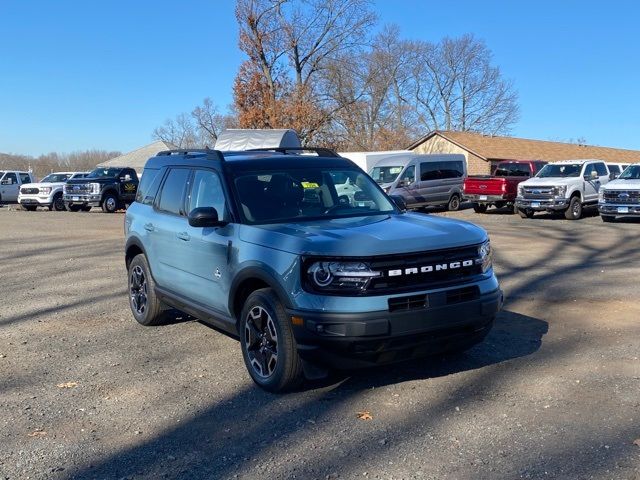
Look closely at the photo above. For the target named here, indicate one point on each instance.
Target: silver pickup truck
(10, 182)
(621, 197)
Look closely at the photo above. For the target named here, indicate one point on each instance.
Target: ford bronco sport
(261, 245)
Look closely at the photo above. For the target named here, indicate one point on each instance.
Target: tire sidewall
(267, 299)
(145, 318)
(58, 204)
(105, 205)
(569, 214)
(454, 203)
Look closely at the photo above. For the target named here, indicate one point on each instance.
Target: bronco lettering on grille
(431, 268)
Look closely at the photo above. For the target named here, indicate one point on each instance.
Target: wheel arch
(248, 281)
(133, 247)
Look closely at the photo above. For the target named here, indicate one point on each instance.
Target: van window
(171, 198)
(410, 174)
(385, 174)
(441, 170)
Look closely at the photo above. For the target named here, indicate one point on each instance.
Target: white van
(423, 179)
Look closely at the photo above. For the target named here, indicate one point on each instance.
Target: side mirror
(594, 175)
(205, 217)
(399, 201)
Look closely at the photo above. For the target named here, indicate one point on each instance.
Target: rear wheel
(479, 207)
(454, 203)
(607, 218)
(145, 305)
(574, 212)
(268, 346)
(109, 203)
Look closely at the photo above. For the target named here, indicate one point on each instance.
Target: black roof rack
(192, 151)
(322, 152)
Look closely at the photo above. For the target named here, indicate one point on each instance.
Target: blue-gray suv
(306, 260)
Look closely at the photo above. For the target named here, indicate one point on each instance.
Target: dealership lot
(85, 392)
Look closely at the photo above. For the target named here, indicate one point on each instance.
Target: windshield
(513, 170)
(632, 172)
(385, 174)
(302, 194)
(563, 170)
(56, 178)
(104, 173)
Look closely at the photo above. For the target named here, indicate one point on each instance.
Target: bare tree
(51, 162)
(458, 88)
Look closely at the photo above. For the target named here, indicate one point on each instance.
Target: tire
(87, 208)
(527, 213)
(145, 305)
(479, 207)
(500, 204)
(74, 208)
(574, 212)
(268, 346)
(454, 203)
(607, 218)
(109, 203)
(58, 203)
(30, 208)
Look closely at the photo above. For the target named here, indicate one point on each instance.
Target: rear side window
(25, 178)
(614, 169)
(148, 186)
(173, 189)
(601, 168)
(207, 192)
(441, 170)
(429, 171)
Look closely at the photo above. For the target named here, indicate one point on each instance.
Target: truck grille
(29, 191)
(77, 188)
(622, 196)
(542, 193)
(412, 277)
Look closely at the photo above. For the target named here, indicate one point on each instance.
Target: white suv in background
(565, 186)
(48, 192)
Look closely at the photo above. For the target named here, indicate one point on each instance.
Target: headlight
(486, 257)
(561, 190)
(601, 195)
(327, 276)
(520, 191)
(95, 187)
(45, 190)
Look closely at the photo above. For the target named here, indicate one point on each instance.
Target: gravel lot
(85, 392)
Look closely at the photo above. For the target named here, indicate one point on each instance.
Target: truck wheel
(268, 347)
(607, 218)
(500, 204)
(526, 213)
(58, 203)
(109, 203)
(574, 212)
(145, 305)
(454, 203)
(479, 207)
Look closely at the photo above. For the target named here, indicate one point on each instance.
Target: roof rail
(322, 152)
(191, 151)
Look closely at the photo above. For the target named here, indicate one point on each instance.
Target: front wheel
(607, 218)
(58, 203)
(268, 346)
(454, 203)
(109, 203)
(479, 207)
(526, 213)
(574, 212)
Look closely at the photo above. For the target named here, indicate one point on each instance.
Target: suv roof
(250, 159)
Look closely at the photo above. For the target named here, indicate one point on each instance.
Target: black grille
(462, 295)
(541, 193)
(407, 303)
(622, 196)
(408, 281)
(29, 191)
(77, 188)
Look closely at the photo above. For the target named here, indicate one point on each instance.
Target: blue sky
(82, 74)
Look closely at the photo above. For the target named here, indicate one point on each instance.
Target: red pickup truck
(501, 188)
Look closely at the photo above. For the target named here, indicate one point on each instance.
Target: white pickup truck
(10, 182)
(48, 192)
(565, 186)
(621, 197)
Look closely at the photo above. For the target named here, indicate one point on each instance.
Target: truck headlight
(601, 195)
(45, 190)
(560, 190)
(95, 187)
(485, 256)
(338, 276)
(520, 191)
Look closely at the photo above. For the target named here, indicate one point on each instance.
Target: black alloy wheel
(138, 290)
(261, 340)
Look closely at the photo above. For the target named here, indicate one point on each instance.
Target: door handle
(184, 236)
(149, 227)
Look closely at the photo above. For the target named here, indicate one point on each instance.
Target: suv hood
(366, 236)
(623, 185)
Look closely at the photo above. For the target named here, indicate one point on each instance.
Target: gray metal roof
(137, 158)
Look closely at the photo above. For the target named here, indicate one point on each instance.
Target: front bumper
(355, 340)
(35, 200)
(82, 199)
(615, 209)
(488, 198)
(556, 203)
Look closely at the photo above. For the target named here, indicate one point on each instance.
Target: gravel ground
(85, 392)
